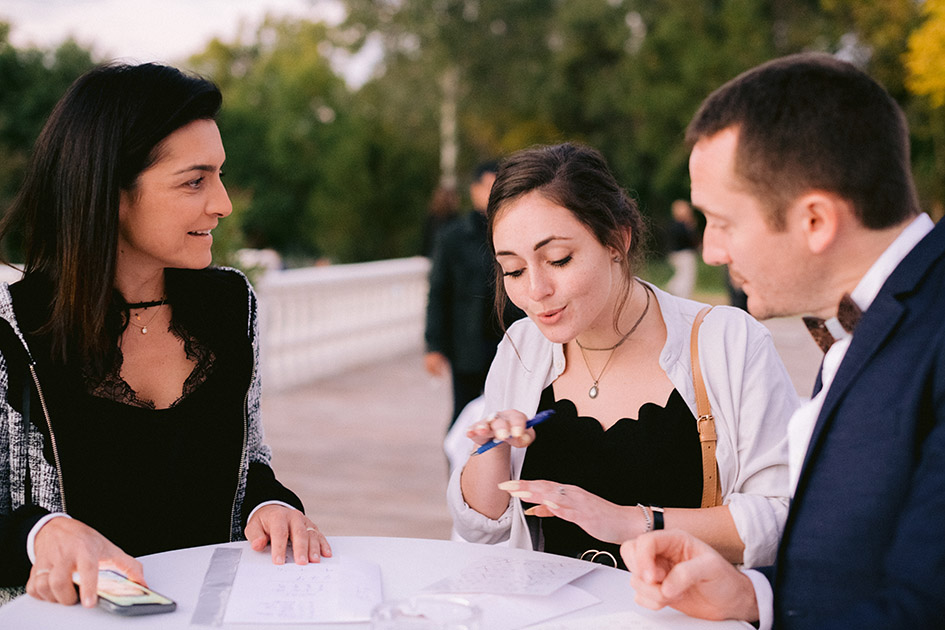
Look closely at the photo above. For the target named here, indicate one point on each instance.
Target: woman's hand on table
(64, 546)
(506, 426)
(280, 525)
(598, 517)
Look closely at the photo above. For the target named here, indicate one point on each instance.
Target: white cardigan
(752, 399)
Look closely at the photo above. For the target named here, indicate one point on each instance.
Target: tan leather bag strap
(711, 486)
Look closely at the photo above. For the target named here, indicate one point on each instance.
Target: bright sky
(150, 30)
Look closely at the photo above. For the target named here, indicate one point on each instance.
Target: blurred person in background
(683, 243)
(443, 208)
(462, 330)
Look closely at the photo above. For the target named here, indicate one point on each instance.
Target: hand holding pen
(502, 433)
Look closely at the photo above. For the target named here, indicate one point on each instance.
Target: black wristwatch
(657, 517)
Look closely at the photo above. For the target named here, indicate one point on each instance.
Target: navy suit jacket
(864, 542)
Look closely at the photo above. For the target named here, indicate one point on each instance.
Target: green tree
(926, 78)
(678, 51)
(622, 75)
(479, 57)
(881, 28)
(31, 82)
(325, 175)
(924, 59)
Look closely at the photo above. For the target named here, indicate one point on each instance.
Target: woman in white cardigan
(610, 355)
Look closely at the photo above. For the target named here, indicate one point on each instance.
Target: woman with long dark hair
(129, 385)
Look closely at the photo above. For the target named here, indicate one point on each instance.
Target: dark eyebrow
(538, 245)
(207, 168)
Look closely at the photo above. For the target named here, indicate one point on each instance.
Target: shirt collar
(874, 279)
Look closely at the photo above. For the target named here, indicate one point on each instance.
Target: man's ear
(820, 215)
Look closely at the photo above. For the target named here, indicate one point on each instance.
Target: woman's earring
(616, 259)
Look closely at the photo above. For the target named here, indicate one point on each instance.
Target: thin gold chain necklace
(137, 316)
(595, 389)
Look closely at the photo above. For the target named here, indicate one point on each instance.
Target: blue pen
(540, 417)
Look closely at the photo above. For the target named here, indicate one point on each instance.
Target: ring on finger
(311, 529)
(43, 571)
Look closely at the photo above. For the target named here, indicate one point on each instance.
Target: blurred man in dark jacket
(462, 330)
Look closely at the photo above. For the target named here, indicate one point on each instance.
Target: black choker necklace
(132, 305)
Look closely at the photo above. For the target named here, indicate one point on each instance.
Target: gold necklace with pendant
(595, 389)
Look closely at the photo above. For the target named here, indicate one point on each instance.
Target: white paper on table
(332, 590)
(513, 576)
(509, 612)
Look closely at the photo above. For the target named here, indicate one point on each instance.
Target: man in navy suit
(801, 167)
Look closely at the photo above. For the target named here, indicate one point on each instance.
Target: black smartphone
(119, 595)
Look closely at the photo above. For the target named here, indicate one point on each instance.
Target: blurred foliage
(31, 81)
(709, 280)
(328, 177)
(925, 62)
(320, 169)
(925, 59)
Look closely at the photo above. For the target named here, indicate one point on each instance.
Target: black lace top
(655, 459)
(113, 387)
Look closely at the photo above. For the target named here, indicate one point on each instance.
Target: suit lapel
(878, 323)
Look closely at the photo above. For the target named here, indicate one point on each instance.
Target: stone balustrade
(320, 321)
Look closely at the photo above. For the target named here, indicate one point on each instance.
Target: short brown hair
(810, 121)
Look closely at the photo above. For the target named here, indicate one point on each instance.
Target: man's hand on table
(673, 568)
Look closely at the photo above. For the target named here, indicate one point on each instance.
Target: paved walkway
(364, 449)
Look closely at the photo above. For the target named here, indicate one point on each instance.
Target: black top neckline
(646, 410)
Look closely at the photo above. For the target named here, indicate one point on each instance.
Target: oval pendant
(592, 392)
(144, 331)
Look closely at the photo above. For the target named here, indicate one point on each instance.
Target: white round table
(407, 566)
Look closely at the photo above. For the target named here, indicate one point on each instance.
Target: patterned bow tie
(848, 314)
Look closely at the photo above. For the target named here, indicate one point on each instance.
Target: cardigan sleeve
(523, 365)
(261, 482)
(467, 522)
(257, 450)
(262, 486)
(14, 529)
(15, 525)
